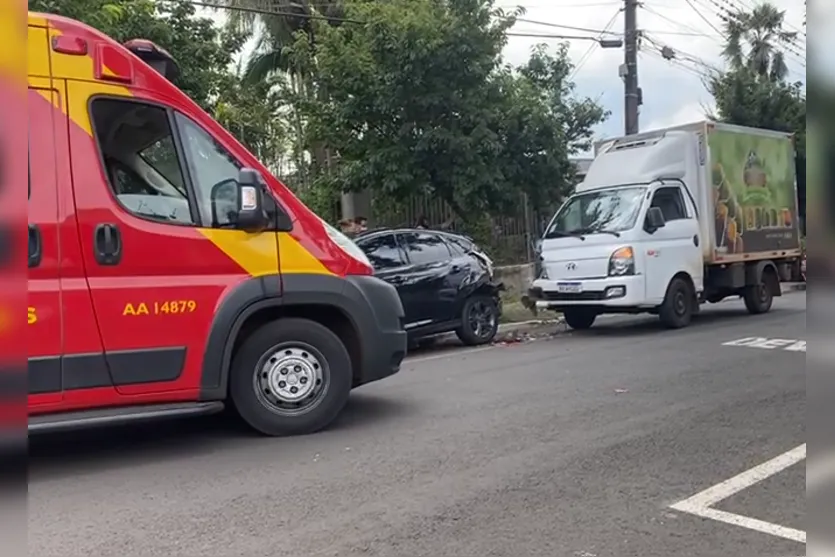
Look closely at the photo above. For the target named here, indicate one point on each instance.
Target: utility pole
(629, 71)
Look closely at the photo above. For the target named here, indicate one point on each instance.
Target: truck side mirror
(654, 220)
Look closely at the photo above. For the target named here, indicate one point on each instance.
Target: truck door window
(671, 203)
(141, 163)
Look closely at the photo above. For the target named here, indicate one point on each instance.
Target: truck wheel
(479, 321)
(580, 319)
(677, 309)
(290, 377)
(758, 298)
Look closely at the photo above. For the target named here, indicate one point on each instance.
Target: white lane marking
(790, 345)
(701, 503)
(446, 354)
(761, 526)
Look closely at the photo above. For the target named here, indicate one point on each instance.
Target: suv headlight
(622, 262)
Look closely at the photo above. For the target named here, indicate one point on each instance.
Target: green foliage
(754, 91)
(203, 51)
(752, 41)
(746, 99)
(416, 101)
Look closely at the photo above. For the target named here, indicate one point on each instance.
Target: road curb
(513, 331)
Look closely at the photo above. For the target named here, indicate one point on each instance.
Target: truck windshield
(603, 211)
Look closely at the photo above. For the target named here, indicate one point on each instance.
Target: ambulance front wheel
(291, 377)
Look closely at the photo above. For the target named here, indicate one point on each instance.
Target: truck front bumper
(611, 294)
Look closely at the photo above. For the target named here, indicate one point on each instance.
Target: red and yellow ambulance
(169, 272)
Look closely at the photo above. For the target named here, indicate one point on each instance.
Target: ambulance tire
(287, 355)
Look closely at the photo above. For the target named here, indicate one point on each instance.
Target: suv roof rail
(372, 231)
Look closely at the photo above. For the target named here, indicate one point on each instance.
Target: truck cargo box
(744, 181)
(753, 184)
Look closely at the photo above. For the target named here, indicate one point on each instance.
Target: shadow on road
(83, 452)
(643, 324)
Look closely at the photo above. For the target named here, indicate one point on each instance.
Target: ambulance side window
(142, 166)
(209, 164)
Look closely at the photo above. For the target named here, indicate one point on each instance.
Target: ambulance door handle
(108, 244)
(35, 246)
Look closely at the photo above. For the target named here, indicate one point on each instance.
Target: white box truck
(666, 220)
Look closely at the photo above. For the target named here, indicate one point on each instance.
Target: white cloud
(673, 93)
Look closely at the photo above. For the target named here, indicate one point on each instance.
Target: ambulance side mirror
(250, 196)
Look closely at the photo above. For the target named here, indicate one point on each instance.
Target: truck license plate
(569, 287)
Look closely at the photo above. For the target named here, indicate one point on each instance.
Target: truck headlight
(622, 262)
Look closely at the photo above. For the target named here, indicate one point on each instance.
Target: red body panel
(81, 304)
(45, 304)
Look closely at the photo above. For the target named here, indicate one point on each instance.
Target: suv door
(428, 289)
(389, 261)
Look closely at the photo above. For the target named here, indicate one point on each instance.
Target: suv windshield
(604, 211)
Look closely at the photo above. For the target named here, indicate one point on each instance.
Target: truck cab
(648, 231)
(169, 272)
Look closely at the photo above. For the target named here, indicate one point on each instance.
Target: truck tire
(758, 298)
(290, 377)
(580, 319)
(676, 311)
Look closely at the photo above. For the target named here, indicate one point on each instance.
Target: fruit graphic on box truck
(668, 219)
(169, 272)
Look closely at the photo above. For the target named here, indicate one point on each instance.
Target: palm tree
(277, 33)
(752, 39)
(273, 58)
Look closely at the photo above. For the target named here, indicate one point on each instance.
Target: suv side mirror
(654, 220)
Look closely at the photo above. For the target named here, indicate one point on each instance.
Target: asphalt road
(573, 446)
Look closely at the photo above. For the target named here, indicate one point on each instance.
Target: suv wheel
(479, 321)
(290, 377)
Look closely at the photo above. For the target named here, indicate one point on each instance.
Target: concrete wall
(516, 278)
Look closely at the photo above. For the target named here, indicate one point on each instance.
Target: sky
(673, 92)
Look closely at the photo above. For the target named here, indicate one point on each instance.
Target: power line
(587, 55)
(261, 11)
(571, 27)
(556, 5)
(300, 15)
(669, 53)
(706, 20)
(553, 36)
(690, 31)
(701, 74)
(730, 11)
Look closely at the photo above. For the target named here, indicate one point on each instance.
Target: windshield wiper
(561, 234)
(595, 231)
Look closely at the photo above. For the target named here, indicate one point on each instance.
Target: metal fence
(509, 238)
